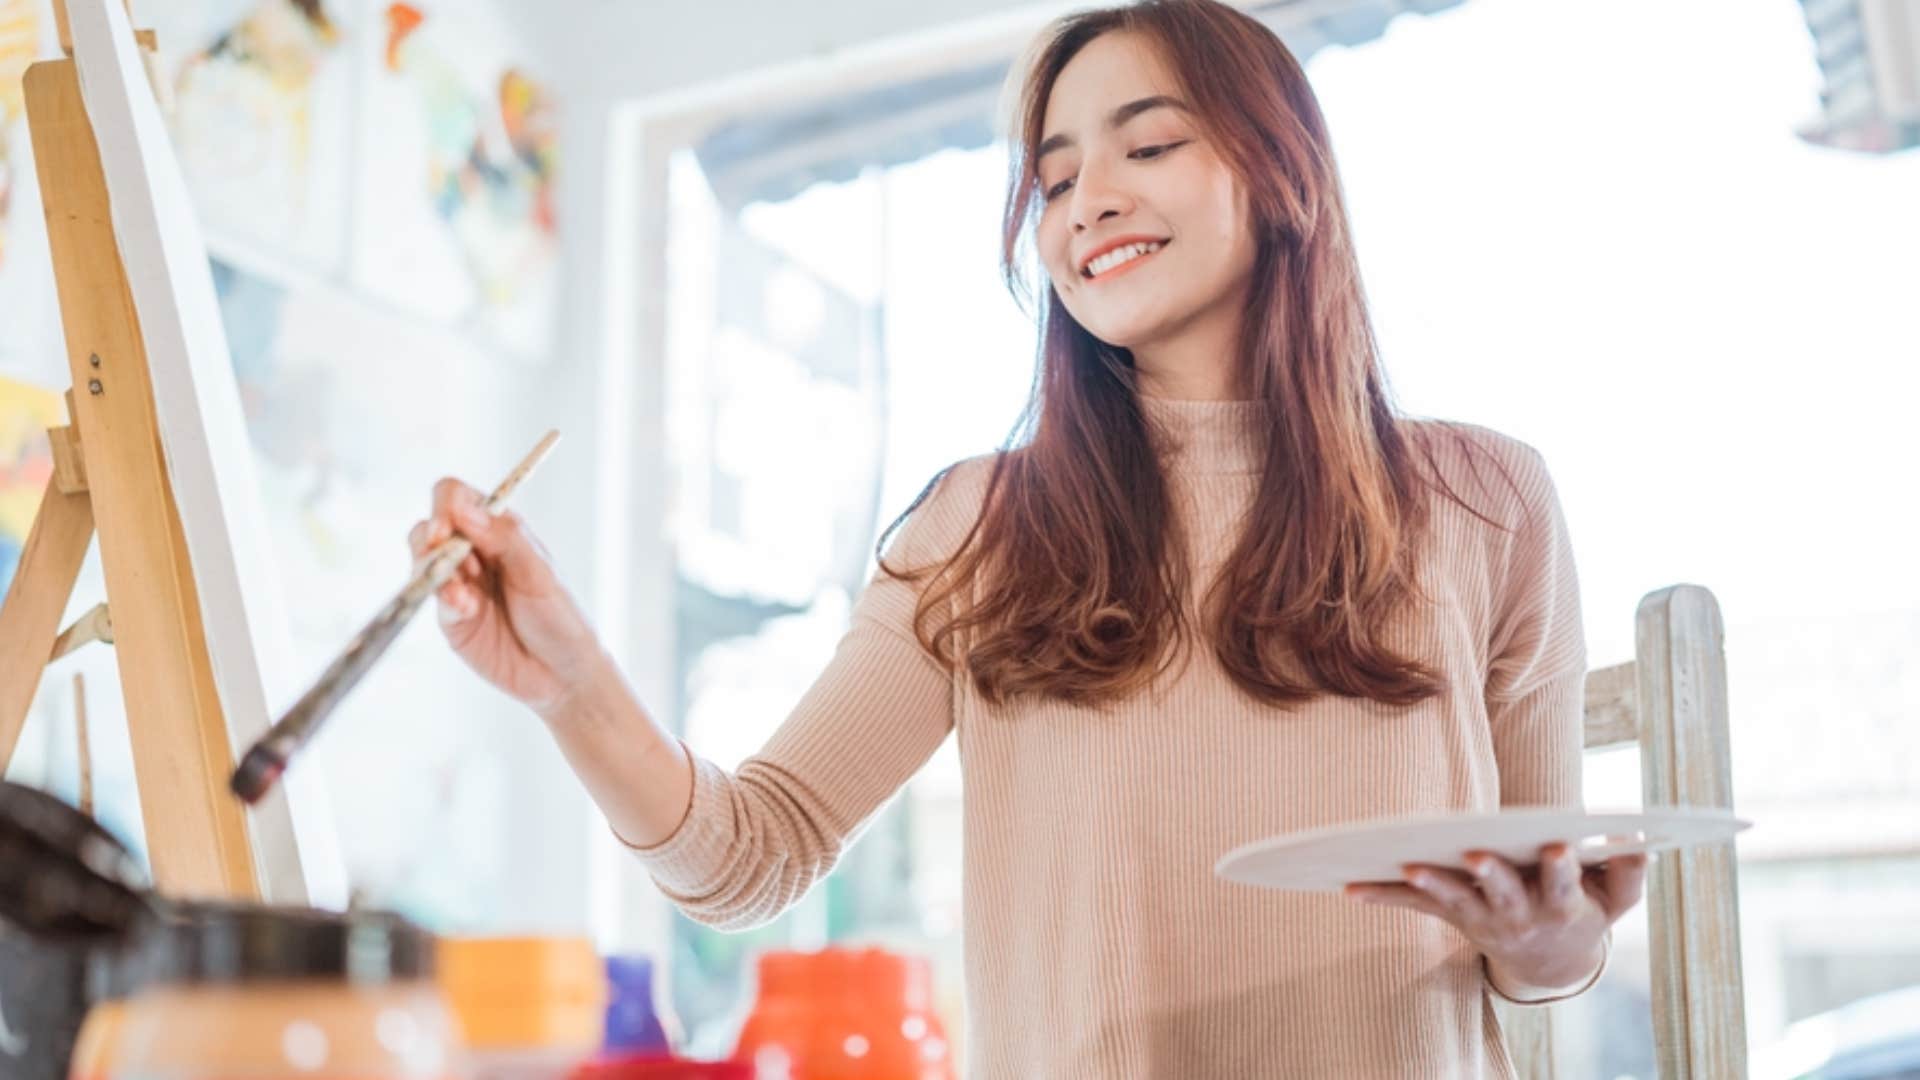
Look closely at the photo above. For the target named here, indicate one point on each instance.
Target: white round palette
(1375, 850)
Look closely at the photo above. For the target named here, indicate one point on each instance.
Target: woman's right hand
(505, 611)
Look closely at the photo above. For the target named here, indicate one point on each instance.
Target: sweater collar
(1207, 437)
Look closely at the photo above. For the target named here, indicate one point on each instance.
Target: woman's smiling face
(1122, 161)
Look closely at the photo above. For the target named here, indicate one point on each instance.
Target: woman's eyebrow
(1119, 116)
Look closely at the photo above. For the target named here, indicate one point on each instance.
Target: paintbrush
(268, 758)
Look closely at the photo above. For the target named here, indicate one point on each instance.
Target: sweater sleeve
(1536, 680)
(756, 839)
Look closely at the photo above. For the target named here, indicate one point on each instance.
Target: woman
(1217, 590)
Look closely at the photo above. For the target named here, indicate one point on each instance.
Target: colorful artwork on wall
(463, 152)
(261, 122)
(26, 464)
(19, 44)
(31, 347)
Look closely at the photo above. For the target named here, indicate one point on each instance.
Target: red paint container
(845, 1014)
(660, 1068)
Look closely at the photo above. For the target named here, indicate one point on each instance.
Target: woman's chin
(1122, 333)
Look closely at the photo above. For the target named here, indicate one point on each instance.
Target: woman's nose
(1095, 199)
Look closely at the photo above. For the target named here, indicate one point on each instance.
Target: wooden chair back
(1671, 702)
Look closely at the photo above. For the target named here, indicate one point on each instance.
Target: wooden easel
(111, 474)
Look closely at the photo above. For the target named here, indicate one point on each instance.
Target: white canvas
(204, 436)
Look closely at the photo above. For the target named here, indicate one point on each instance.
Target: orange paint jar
(256, 993)
(529, 1008)
(845, 1014)
(96, 1050)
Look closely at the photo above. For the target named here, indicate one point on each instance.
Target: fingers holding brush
(503, 609)
(458, 599)
(457, 508)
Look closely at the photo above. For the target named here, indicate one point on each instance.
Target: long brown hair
(1070, 582)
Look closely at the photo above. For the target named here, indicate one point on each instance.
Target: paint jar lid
(211, 942)
(873, 976)
(526, 992)
(64, 878)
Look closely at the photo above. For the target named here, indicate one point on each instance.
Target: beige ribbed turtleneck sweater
(1099, 943)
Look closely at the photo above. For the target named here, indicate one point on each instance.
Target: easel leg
(30, 617)
(197, 832)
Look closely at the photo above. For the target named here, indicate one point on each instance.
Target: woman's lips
(1126, 266)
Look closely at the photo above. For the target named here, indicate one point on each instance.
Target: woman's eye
(1148, 153)
(1145, 153)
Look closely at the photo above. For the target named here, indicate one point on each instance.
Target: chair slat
(1612, 704)
(1670, 702)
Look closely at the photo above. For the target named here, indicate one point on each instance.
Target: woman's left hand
(1541, 928)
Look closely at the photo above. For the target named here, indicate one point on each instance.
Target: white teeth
(1119, 255)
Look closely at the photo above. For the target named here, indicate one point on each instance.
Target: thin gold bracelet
(1606, 954)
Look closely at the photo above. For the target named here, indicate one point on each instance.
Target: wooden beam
(196, 833)
(30, 616)
(1612, 719)
(1699, 1015)
(95, 625)
(83, 743)
(60, 23)
(69, 466)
